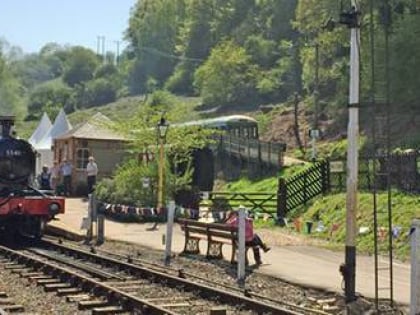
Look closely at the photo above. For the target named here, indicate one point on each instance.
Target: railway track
(8, 304)
(108, 285)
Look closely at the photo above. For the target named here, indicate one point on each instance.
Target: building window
(82, 158)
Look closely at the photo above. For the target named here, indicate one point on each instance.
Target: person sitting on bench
(251, 239)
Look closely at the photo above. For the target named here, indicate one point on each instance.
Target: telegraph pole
(348, 270)
(316, 92)
(103, 49)
(315, 131)
(117, 59)
(98, 41)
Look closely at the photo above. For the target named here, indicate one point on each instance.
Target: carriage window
(246, 134)
(82, 158)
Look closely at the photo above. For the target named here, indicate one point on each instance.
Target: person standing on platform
(44, 178)
(66, 171)
(92, 172)
(55, 176)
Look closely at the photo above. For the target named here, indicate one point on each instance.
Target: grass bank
(328, 215)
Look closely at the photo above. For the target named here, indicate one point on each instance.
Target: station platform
(291, 261)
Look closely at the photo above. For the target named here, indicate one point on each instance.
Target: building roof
(94, 128)
(41, 130)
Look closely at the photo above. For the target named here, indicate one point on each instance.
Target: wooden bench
(216, 235)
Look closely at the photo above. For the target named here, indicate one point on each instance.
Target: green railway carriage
(236, 125)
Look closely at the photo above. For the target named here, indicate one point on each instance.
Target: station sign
(314, 133)
(336, 166)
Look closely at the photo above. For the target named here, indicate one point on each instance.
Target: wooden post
(241, 246)
(281, 201)
(260, 161)
(169, 229)
(89, 232)
(415, 267)
(327, 175)
(101, 229)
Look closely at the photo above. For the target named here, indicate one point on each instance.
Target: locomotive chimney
(6, 123)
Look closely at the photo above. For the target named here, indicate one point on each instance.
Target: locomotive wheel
(10, 234)
(37, 228)
(33, 227)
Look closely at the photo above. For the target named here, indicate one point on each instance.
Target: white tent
(43, 127)
(45, 153)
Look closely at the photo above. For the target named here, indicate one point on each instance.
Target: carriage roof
(232, 120)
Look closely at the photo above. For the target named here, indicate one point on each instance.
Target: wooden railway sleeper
(12, 308)
(68, 291)
(8, 304)
(78, 297)
(108, 310)
(55, 286)
(83, 305)
(6, 301)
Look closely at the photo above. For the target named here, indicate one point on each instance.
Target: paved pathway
(307, 265)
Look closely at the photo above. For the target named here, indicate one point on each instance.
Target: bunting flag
(297, 224)
(119, 209)
(320, 227)
(396, 231)
(382, 232)
(334, 227)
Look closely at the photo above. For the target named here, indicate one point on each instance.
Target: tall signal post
(348, 269)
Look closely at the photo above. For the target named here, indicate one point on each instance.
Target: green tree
(10, 89)
(152, 34)
(99, 92)
(49, 97)
(80, 66)
(311, 15)
(227, 77)
(32, 70)
(180, 143)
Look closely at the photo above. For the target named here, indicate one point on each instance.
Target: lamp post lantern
(162, 129)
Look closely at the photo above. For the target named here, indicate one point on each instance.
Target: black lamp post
(162, 129)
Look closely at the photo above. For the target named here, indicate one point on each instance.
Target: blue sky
(30, 24)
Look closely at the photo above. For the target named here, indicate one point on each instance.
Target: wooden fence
(324, 176)
(302, 187)
(253, 201)
(290, 194)
(403, 170)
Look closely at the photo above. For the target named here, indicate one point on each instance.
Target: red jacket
(249, 226)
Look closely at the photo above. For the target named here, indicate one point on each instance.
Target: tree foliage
(49, 97)
(152, 33)
(80, 66)
(10, 88)
(227, 77)
(179, 144)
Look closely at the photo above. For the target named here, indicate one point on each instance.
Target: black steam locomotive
(23, 208)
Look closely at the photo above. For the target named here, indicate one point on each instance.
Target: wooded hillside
(233, 54)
